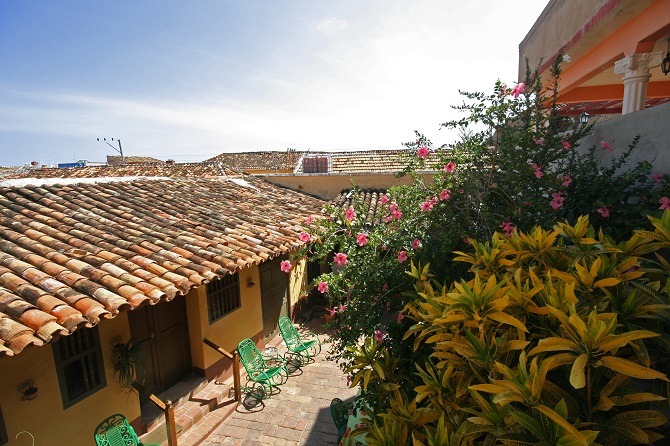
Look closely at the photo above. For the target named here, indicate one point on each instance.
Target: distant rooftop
(113, 160)
(190, 170)
(262, 160)
(368, 161)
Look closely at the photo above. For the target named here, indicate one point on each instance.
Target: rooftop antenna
(120, 150)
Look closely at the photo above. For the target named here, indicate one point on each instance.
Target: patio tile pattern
(72, 254)
(298, 415)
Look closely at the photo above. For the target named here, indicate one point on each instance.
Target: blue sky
(188, 80)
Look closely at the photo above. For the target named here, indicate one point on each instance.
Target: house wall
(245, 322)
(327, 186)
(651, 124)
(44, 416)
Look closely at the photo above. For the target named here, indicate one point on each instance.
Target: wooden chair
(116, 431)
(258, 371)
(306, 349)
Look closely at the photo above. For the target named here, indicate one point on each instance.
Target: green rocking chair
(258, 371)
(339, 410)
(116, 431)
(305, 349)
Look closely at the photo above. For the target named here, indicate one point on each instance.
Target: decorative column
(635, 71)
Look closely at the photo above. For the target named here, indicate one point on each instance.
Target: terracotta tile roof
(73, 254)
(374, 211)
(146, 170)
(369, 161)
(265, 160)
(114, 160)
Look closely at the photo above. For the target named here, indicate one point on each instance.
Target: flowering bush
(517, 166)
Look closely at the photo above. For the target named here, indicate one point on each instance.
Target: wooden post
(170, 424)
(236, 376)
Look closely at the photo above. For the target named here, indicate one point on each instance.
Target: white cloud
(331, 26)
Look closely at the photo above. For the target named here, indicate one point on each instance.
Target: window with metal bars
(79, 365)
(223, 296)
(313, 271)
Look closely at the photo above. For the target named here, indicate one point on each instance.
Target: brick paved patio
(298, 415)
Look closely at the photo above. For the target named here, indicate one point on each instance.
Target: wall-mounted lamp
(665, 64)
(250, 282)
(584, 117)
(28, 390)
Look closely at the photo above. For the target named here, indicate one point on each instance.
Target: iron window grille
(223, 296)
(79, 365)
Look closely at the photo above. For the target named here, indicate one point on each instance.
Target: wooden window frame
(223, 297)
(4, 439)
(95, 360)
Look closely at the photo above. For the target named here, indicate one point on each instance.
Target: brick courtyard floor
(298, 415)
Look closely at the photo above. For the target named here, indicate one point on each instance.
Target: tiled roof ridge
(72, 254)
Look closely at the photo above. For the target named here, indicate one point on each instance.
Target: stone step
(193, 399)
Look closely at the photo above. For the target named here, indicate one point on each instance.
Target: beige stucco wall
(327, 186)
(44, 416)
(297, 281)
(245, 322)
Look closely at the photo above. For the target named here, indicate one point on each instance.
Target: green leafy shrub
(556, 337)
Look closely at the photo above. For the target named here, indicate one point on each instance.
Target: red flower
(604, 211)
(384, 199)
(665, 203)
(605, 145)
(322, 287)
(566, 145)
(518, 89)
(422, 152)
(285, 266)
(402, 256)
(304, 237)
(450, 167)
(362, 239)
(350, 213)
(340, 258)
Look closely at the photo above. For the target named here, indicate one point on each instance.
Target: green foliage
(530, 350)
(128, 361)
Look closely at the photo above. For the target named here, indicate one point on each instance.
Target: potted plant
(128, 362)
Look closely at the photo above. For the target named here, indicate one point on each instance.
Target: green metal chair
(306, 349)
(258, 371)
(339, 410)
(116, 431)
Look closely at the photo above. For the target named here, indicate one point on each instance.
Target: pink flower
(379, 336)
(342, 308)
(503, 89)
(400, 317)
(538, 141)
(350, 213)
(605, 145)
(422, 152)
(567, 180)
(604, 211)
(362, 239)
(518, 89)
(427, 205)
(322, 287)
(445, 194)
(304, 237)
(340, 258)
(309, 219)
(508, 227)
(537, 171)
(657, 177)
(665, 203)
(285, 266)
(331, 311)
(566, 145)
(402, 256)
(450, 167)
(416, 243)
(557, 200)
(384, 199)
